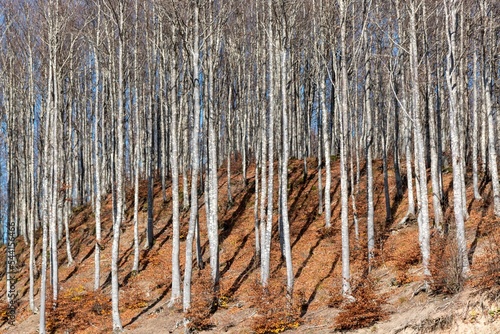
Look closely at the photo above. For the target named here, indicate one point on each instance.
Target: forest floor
(391, 303)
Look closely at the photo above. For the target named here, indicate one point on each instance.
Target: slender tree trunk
(369, 157)
(115, 250)
(54, 165)
(423, 214)
(137, 145)
(97, 163)
(213, 184)
(475, 128)
(326, 149)
(437, 192)
(344, 111)
(194, 163)
(451, 78)
(174, 156)
(32, 171)
(489, 110)
(284, 174)
(270, 181)
(263, 195)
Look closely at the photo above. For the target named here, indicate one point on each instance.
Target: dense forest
(99, 96)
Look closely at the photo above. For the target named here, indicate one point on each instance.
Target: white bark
(489, 110)
(437, 191)
(475, 128)
(284, 175)
(174, 156)
(115, 250)
(369, 156)
(97, 119)
(326, 149)
(423, 205)
(344, 110)
(194, 162)
(137, 146)
(213, 184)
(266, 249)
(32, 185)
(451, 78)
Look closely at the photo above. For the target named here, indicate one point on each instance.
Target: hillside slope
(395, 278)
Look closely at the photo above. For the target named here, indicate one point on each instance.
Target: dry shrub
(203, 302)
(275, 311)
(486, 266)
(404, 252)
(365, 310)
(78, 309)
(445, 266)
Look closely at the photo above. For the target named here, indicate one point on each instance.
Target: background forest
(109, 106)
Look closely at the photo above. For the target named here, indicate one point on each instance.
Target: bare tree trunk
(369, 156)
(320, 168)
(490, 114)
(54, 163)
(137, 146)
(228, 147)
(45, 187)
(326, 149)
(194, 162)
(284, 174)
(213, 184)
(115, 251)
(344, 111)
(32, 172)
(263, 195)
(174, 156)
(451, 79)
(437, 191)
(423, 214)
(270, 134)
(97, 119)
(475, 128)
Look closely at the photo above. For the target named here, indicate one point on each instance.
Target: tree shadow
(306, 305)
(147, 309)
(228, 224)
(309, 256)
(121, 262)
(305, 227)
(398, 200)
(71, 274)
(157, 235)
(473, 246)
(294, 207)
(242, 277)
(238, 250)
